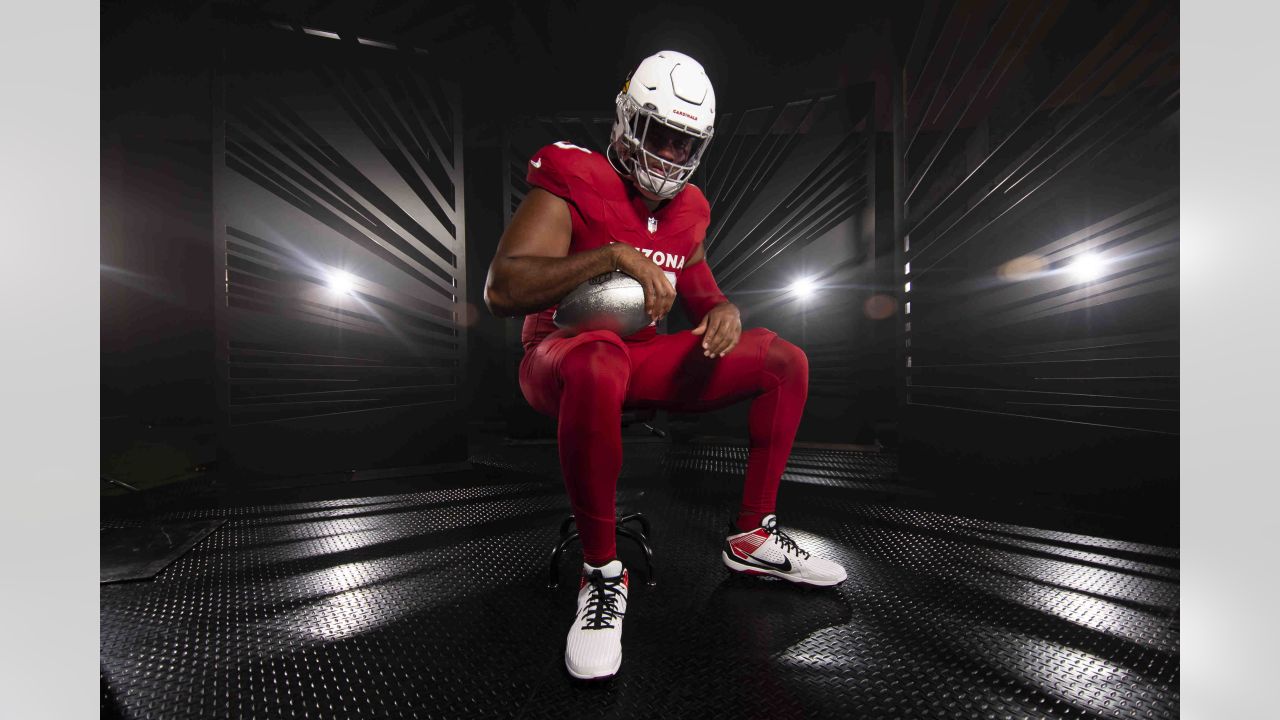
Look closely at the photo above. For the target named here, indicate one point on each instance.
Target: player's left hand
(720, 327)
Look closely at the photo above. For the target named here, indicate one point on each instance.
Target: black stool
(641, 538)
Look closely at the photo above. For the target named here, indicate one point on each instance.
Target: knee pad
(785, 361)
(598, 363)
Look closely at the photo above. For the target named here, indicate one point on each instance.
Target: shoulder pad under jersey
(561, 168)
(694, 211)
(697, 201)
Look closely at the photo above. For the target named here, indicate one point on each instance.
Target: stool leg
(566, 537)
(639, 517)
(553, 574)
(564, 526)
(648, 554)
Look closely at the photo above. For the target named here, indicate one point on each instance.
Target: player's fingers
(732, 344)
(668, 293)
(714, 339)
(729, 337)
(726, 342)
(653, 296)
(708, 321)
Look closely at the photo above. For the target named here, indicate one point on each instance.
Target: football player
(632, 208)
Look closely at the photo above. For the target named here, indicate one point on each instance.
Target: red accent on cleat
(747, 544)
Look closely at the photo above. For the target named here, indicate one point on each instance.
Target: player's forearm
(699, 291)
(522, 285)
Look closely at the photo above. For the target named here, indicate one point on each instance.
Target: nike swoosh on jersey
(536, 162)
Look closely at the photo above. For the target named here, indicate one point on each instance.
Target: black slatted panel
(339, 216)
(1040, 275)
(811, 161)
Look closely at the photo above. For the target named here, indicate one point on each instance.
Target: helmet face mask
(647, 134)
(653, 142)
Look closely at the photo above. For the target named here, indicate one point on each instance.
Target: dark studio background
(989, 145)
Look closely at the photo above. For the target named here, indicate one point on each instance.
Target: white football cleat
(769, 551)
(593, 650)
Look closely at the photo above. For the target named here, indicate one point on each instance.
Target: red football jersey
(605, 207)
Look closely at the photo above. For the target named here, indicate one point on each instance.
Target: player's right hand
(659, 295)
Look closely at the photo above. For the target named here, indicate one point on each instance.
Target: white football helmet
(667, 103)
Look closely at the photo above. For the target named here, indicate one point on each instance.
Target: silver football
(611, 301)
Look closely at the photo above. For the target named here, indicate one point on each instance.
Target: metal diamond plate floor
(430, 602)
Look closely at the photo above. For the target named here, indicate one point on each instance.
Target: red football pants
(586, 380)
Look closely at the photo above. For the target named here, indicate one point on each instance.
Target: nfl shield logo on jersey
(653, 225)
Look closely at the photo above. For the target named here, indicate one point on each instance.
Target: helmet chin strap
(646, 193)
(620, 166)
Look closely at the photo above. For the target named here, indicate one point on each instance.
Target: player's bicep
(541, 227)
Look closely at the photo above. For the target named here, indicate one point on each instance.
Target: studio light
(341, 282)
(1087, 267)
(803, 287)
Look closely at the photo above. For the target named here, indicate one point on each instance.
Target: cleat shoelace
(785, 540)
(602, 601)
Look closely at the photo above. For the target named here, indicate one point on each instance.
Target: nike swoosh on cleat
(536, 162)
(784, 566)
